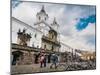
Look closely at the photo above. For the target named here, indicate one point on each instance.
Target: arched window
(52, 36)
(52, 48)
(39, 18)
(45, 18)
(44, 46)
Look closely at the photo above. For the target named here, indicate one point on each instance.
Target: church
(46, 38)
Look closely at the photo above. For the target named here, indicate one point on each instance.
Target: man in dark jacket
(54, 60)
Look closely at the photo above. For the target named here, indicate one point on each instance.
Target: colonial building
(45, 37)
(50, 41)
(50, 37)
(86, 55)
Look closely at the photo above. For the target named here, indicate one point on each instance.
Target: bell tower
(41, 20)
(55, 25)
(41, 16)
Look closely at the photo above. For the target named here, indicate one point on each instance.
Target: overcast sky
(77, 22)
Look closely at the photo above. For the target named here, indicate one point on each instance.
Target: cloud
(15, 3)
(67, 16)
(81, 40)
(84, 22)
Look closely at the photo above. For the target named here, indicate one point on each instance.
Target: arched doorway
(16, 55)
(36, 57)
(49, 58)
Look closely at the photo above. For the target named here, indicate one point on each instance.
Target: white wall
(15, 27)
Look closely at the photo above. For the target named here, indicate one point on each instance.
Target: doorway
(16, 55)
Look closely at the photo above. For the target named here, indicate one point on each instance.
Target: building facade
(45, 37)
(50, 41)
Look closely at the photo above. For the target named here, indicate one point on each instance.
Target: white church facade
(29, 40)
(40, 30)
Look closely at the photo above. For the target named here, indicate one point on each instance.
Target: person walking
(54, 60)
(41, 60)
(44, 62)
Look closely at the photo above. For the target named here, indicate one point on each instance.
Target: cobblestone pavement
(21, 69)
(35, 68)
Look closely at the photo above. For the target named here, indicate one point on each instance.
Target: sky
(77, 22)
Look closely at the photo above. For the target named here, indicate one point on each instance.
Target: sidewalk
(34, 68)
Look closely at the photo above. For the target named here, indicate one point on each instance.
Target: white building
(38, 30)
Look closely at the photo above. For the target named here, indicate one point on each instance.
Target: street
(22, 69)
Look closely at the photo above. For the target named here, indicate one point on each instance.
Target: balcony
(50, 40)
